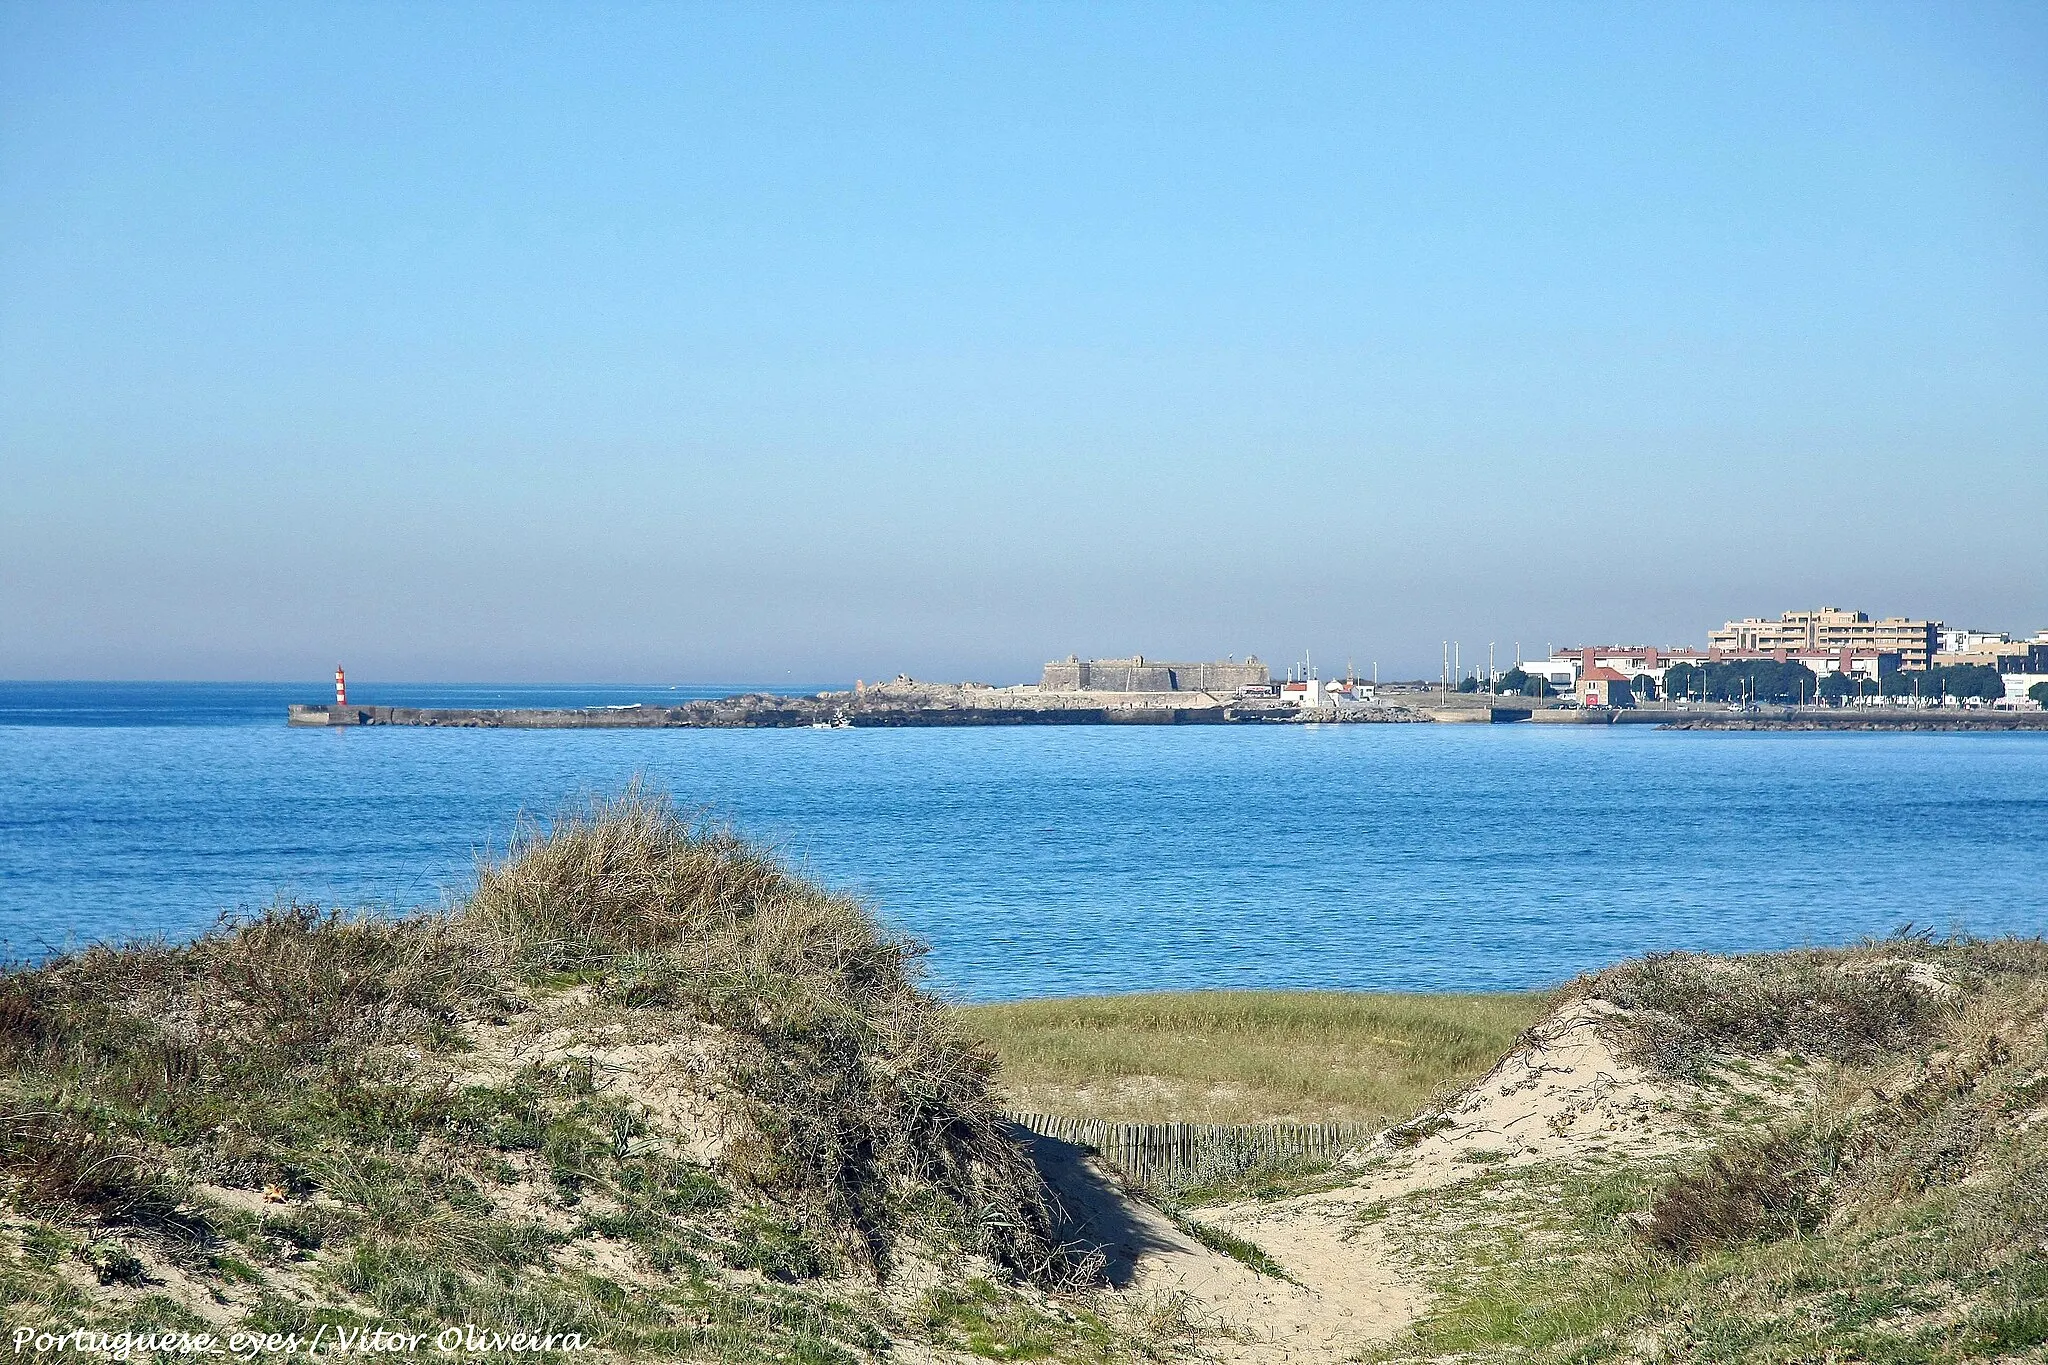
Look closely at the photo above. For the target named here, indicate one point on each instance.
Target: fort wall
(1139, 674)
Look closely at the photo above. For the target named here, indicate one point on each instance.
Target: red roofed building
(1602, 686)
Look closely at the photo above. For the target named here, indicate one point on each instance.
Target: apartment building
(1636, 661)
(1831, 630)
(1961, 640)
(2007, 656)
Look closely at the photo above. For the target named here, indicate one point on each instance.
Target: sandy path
(1347, 1292)
(1560, 1095)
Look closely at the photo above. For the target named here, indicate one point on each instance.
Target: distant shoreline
(923, 705)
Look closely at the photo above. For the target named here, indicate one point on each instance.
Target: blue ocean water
(1057, 860)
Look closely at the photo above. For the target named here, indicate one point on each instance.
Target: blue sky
(685, 342)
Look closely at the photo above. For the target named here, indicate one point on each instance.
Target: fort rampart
(1139, 674)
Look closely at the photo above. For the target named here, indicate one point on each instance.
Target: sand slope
(1560, 1095)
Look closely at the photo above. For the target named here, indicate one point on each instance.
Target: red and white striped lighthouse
(340, 687)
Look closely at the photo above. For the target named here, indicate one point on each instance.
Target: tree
(1645, 687)
(1519, 682)
(2039, 694)
(1979, 681)
(1742, 680)
(1837, 688)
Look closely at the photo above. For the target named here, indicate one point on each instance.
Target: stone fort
(1140, 674)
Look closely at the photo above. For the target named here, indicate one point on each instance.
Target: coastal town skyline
(1892, 642)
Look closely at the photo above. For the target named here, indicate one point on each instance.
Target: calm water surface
(1041, 861)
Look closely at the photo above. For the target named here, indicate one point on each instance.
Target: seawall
(1902, 718)
(925, 705)
(756, 713)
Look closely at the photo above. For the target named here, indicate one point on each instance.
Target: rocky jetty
(904, 702)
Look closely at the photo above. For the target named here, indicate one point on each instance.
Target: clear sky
(692, 342)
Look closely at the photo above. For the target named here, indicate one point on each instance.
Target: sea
(1047, 861)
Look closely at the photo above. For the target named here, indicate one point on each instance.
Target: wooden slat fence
(1184, 1153)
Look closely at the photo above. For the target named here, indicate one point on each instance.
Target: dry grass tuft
(631, 874)
(1844, 1006)
(867, 1110)
(58, 1160)
(1751, 1191)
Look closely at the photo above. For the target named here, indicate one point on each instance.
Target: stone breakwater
(902, 704)
(909, 704)
(1873, 718)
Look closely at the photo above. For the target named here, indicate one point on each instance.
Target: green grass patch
(1247, 1056)
(1240, 1249)
(1262, 1184)
(988, 1321)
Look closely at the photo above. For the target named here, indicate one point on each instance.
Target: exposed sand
(1559, 1095)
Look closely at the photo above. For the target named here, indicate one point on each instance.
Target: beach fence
(1179, 1154)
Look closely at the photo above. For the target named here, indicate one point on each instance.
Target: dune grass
(1895, 1214)
(297, 1120)
(1247, 1056)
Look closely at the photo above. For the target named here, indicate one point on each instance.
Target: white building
(2017, 685)
(1315, 694)
(1957, 640)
